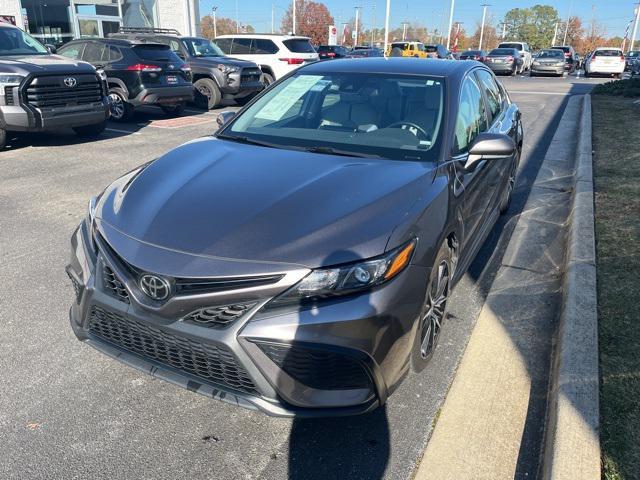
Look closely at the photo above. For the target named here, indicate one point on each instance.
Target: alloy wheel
(435, 310)
(204, 91)
(117, 106)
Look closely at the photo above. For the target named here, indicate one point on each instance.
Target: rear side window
(262, 46)
(299, 45)
(72, 51)
(471, 119)
(492, 92)
(224, 44)
(154, 52)
(93, 52)
(241, 46)
(112, 54)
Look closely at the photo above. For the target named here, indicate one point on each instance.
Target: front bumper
(25, 118)
(548, 70)
(342, 357)
(241, 84)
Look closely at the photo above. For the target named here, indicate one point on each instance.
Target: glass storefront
(51, 21)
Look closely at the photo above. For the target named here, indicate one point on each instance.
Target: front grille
(317, 368)
(50, 91)
(250, 76)
(218, 316)
(77, 288)
(8, 96)
(113, 285)
(215, 364)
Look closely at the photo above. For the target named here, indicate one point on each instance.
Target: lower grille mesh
(318, 368)
(211, 363)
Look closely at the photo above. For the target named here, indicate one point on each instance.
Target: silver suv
(40, 91)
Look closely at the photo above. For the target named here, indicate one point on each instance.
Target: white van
(525, 52)
(276, 55)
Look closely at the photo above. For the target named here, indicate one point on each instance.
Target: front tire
(434, 310)
(90, 131)
(505, 201)
(267, 79)
(208, 94)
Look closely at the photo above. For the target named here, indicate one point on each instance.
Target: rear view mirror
(489, 146)
(224, 118)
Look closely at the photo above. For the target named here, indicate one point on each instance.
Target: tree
(490, 38)
(312, 20)
(533, 25)
(224, 26)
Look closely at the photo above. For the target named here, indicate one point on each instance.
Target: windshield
(348, 114)
(14, 41)
(633, 54)
(551, 54)
(201, 47)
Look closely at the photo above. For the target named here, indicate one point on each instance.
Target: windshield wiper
(249, 141)
(343, 153)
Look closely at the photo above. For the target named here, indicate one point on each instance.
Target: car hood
(222, 200)
(26, 64)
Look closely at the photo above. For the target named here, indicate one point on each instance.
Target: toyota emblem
(70, 82)
(155, 287)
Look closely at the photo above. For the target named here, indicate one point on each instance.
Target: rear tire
(434, 309)
(173, 110)
(207, 93)
(90, 130)
(505, 201)
(121, 109)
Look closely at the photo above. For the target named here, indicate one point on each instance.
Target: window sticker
(276, 108)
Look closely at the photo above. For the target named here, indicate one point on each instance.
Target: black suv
(215, 76)
(40, 91)
(138, 73)
(331, 52)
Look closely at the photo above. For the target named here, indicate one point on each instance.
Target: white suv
(276, 55)
(605, 60)
(525, 52)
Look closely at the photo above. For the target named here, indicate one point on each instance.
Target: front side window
(349, 113)
(200, 47)
(14, 41)
(224, 44)
(93, 52)
(492, 92)
(72, 51)
(471, 120)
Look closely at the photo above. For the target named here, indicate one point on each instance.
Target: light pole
(273, 8)
(555, 34)
(404, 30)
(504, 29)
(484, 16)
(635, 26)
(215, 28)
(237, 19)
(453, 2)
(293, 27)
(355, 40)
(386, 27)
(566, 28)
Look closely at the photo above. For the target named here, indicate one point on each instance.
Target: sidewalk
(494, 413)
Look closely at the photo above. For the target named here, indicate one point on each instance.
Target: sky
(613, 15)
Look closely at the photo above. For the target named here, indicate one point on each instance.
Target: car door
(503, 119)
(472, 186)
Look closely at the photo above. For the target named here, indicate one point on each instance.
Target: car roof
(281, 36)
(121, 42)
(394, 65)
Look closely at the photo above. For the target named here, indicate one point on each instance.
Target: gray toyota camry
(300, 260)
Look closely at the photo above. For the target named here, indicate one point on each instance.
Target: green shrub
(626, 88)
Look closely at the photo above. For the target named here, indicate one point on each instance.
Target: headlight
(10, 80)
(341, 280)
(91, 215)
(227, 68)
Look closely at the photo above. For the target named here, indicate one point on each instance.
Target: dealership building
(58, 21)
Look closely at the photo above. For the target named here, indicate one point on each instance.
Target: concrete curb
(572, 444)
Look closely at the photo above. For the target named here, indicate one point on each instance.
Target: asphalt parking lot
(67, 411)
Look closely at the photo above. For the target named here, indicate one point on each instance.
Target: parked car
(605, 61)
(276, 55)
(551, 61)
(631, 58)
(40, 91)
(523, 49)
(216, 77)
(365, 53)
(332, 52)
(437, 51)
(138, 73)
(505, 60)
(570, 56)
(407, 49)
(301, 261)
(478, 55)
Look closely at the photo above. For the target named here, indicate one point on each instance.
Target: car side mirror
(52, 48)
(489, 146)
(224, 118)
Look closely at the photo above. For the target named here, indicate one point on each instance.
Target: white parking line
(122, 131)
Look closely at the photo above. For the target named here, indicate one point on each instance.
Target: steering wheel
(403, 124)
